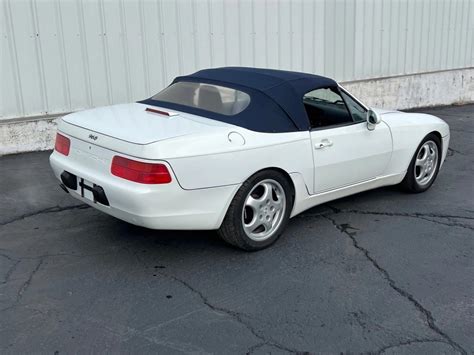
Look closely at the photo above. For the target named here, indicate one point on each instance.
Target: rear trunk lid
(136, 123)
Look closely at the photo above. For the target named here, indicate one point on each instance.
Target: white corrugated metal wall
(64, 55)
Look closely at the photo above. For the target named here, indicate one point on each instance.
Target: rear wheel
(259, 211)
(424, 165)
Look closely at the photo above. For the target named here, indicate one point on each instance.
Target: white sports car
(241, 150)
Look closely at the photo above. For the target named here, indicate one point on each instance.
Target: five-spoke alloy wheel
(259, 211)
(426, 162)
(263, 210)
(424, 166)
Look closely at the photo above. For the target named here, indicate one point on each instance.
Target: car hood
(133, 123)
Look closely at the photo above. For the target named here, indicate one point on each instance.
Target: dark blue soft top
(276, 96)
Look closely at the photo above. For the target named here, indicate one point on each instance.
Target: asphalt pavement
(379, 272)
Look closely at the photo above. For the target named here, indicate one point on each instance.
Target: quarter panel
(222, 155)
(236, 166)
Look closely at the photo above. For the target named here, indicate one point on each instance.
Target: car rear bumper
(165, 206)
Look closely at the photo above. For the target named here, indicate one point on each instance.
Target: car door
(345, 152)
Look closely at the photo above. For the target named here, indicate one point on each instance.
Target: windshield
(209, 97)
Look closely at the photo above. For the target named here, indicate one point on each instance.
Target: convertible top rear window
(261, 100)
(209, 97)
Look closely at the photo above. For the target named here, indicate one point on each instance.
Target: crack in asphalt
(10, 270)
(424, 216)
(257, 346)
(41, 258)
(430, 321)
(45, 210)
(254, 348)
(408, 342)
(239, 317)
(236, 316)
(452, 151)
(24, 287)
(406, 214)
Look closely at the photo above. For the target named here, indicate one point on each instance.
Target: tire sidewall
(412, 183)
(251, 244)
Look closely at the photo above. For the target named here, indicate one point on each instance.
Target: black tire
(409, 183)
(232, 230)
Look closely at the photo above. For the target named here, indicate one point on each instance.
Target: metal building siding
(64, 55)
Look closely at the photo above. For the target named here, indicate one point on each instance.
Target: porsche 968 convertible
(241, 150)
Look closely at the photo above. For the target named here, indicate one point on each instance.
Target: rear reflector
(62, 144)
(144, 173)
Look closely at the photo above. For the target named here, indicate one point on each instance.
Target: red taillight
(144, 173)
(62, 144)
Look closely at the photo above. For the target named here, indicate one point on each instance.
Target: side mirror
(373, 119)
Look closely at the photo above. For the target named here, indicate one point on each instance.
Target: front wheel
(259, 211)
(424, 166)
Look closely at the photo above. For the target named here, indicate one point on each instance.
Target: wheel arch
(410, 182)
(290, 182)
(283, 172)
(405, 149)
(440, 137)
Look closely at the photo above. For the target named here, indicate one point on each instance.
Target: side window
(358, 112)
(325, 107)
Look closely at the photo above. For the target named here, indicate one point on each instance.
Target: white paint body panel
(408, 129)
(209, 161)
(132, 123)
(355, 155)
(165, 206)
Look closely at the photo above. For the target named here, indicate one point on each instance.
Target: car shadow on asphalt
(145, 239)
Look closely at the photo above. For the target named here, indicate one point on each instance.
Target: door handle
(324, 143)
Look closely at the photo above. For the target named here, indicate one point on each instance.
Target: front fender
(408, 130)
